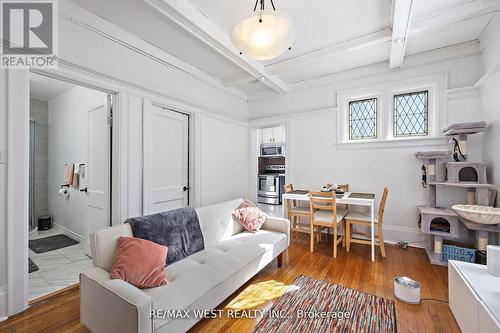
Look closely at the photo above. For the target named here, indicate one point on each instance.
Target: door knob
(84, 190)
(185, 188)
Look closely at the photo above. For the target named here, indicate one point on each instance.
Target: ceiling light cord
(263, 5)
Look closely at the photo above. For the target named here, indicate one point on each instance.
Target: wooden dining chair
(363, 219)
(295, 210)
(325, 214)
(345, 188)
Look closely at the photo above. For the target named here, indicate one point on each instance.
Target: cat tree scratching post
(435, 221)
(471, 176)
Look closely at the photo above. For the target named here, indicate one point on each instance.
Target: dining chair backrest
(381, 208)
(290, 203)
(344, 187)
(323, 201)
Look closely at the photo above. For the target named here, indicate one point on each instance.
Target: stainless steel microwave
(272, 149)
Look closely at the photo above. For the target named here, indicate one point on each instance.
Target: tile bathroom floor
(57, 269)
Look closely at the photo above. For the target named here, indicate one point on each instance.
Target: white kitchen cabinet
(473, 297)
(273, 134)
(279, 134)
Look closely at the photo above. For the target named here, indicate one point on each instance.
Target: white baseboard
(3, 303)
(414, 236)
(70, 233)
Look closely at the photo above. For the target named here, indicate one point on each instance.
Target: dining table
(346, 198)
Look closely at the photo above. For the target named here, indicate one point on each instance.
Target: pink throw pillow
(139, 262)
(250, 217)
(246, 203)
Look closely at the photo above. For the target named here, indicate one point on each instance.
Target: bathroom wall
(68, 144)
(39, 112)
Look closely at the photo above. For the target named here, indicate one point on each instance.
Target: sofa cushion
(217, 222)
(179, 229)
(193, 277)
(251, 218)
(139, 262)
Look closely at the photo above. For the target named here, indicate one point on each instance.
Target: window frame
(349, 118)
(435, 84)
(427, 116)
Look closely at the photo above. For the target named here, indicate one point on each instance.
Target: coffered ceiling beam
(401, 18)
(354, 44)
(236, 80)
(464, 12)
(193, 21)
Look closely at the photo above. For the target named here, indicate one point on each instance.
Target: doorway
(70, 179)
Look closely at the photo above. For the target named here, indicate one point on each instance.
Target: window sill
(390, 143)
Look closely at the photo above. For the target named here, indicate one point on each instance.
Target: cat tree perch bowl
(478, 214)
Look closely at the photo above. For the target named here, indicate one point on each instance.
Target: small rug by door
(32, 267)
(311, 305)
(51, 243)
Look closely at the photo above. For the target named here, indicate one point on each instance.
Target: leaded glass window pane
(363, 119)
(411, 114)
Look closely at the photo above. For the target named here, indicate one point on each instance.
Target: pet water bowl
(407, 290)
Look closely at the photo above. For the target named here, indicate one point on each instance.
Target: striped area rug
(311, 305)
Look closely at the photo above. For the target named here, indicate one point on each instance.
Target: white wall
(223, 161)
(315, 158)
(68, 137)
(490, 89)
(39, 112)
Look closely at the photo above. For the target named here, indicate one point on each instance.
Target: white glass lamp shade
(263, 35)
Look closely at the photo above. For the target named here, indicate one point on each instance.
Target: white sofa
(201, 281)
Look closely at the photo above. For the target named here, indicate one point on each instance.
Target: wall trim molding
(77, 15)
(17, 189)
(85, 76)
(396, 143)
(414, 236)
(484, 81)
(376, 72)
(280, 119)
(3, 303)
(463, 93)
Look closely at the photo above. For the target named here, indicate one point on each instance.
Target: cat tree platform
(438, 221)
(466, 128)
(429, 158)
(457, 172)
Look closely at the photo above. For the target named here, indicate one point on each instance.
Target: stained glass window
(363, 119)
(411, 114)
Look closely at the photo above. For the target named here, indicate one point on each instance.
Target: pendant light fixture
(263, 34)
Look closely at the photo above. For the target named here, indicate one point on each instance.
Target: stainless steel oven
(272, 149)
(270, 188)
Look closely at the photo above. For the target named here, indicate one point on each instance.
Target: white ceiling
(139, 18)
(319, 23)
(332, 35)
(45, 89)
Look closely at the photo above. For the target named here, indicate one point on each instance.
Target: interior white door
(166, 160)
(97, 171)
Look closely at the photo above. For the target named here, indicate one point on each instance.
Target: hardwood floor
(353, 270)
